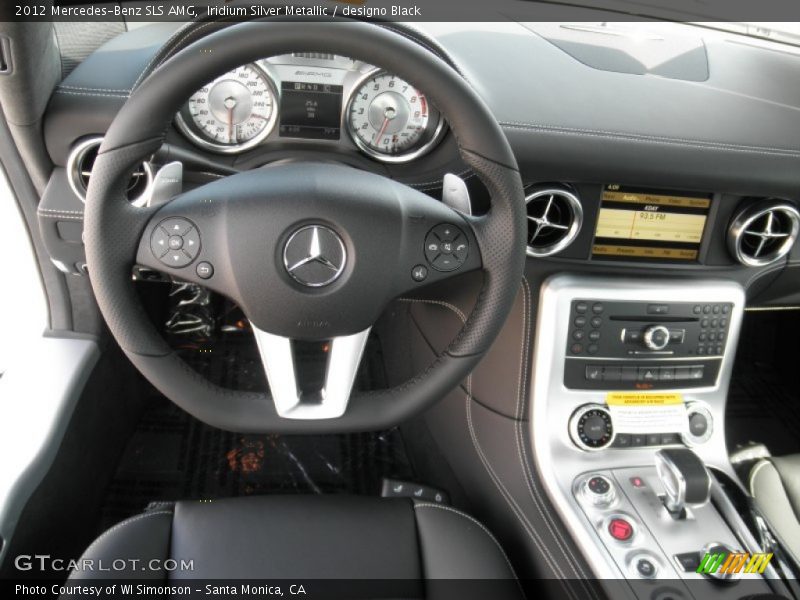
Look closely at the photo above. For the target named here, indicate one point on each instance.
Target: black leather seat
(307, 537)
(775, 487)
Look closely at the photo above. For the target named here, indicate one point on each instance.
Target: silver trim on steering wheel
(331, 401)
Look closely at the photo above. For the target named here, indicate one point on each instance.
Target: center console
(627, 416)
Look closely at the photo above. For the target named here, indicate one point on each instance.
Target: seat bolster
(142, 538)
(788, 468)
(772, 500)
(453, 545)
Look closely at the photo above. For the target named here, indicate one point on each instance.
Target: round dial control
(656, 337)
(591, 427)
(599, 491)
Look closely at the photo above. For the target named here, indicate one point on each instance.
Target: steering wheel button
(176, 258)
(176, 226)
(460, 250)
(419, 273)
(445, 262)
(191, 242)
(445, 232)
(204, 270)
(159, 242)
(175, 242)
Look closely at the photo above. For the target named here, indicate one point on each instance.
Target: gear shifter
(685, 479)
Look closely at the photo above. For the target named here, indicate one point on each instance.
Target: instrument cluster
(312, 97)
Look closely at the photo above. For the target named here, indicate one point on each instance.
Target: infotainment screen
(310, 110)
(638, 223)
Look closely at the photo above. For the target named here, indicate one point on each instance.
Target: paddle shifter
(685, 479)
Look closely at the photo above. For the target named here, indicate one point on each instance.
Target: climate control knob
(591, 428)
(656, 337)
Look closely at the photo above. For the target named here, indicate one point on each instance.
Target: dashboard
(312, 97)
(692, 170)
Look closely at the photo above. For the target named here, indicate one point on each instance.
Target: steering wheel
(309, 251)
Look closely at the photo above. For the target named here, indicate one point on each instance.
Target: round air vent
(763, 232)
(79, 170)
(554, 219)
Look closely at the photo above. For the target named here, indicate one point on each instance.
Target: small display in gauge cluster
(311, 110)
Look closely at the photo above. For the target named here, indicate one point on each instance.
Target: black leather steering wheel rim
(113, 227)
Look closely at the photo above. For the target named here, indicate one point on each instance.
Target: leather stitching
(532, 534)
(91, 89)
(476, 522)
(121, 525)
(452, 307)
(522, 451)
(98, 94)
(698, 144)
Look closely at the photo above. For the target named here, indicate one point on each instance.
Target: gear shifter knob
(685, 478)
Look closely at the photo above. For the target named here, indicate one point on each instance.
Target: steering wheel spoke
(292, 397)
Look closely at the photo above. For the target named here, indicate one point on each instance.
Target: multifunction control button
(591, 427)
(175, 242)
(446, 247)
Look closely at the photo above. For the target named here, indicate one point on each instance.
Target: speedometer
(391, 120)
(232, 113)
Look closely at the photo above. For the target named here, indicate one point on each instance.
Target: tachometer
(391, 120)
(232, 113)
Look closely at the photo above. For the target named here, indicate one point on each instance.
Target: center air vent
(764, 232)
(554, 219)
(79, 170)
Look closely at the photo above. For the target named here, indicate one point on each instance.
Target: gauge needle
(230, 104)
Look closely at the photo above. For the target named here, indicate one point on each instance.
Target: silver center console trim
(558, 460)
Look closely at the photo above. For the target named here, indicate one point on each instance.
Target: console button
(594, 373)
(576, 348)
(726, 308)
(579, 322)
(697, 309)
(666, 373)
(716, 309)
(597, 308)
(698, 424)
(578, 335)
(594, 335)
(638, 439)
(592, 349)
(669, 438)
(696, 372)
(653, 439)
(648, 373)
(623, 440)
(612, 373)
(688, 561)
(591, 427)
(598, 485)
(581, 307)
(596, 322)
(629, 374)
(657, 309)
(620, 529)
(632, 336)
(706, 309)
(682, 373)
(646, 568)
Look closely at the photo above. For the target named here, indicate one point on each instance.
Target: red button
(620, 529)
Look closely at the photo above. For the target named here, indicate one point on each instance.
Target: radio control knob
(656, 337)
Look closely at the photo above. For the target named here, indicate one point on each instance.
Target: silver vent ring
(543, 224)
(772, 239)
(76, 172)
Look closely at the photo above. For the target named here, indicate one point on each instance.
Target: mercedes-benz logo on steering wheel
(314, 256)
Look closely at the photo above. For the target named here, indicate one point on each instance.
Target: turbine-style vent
(764, 232)
(554, 220)
(80, 165)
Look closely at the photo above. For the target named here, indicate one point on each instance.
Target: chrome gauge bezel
(433, 134)
(197, 138)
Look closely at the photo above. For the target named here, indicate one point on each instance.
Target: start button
(620, 529)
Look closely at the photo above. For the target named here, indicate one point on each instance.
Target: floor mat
(761, 409)
(172, 456)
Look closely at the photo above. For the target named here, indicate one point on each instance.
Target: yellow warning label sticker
(642, 399)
